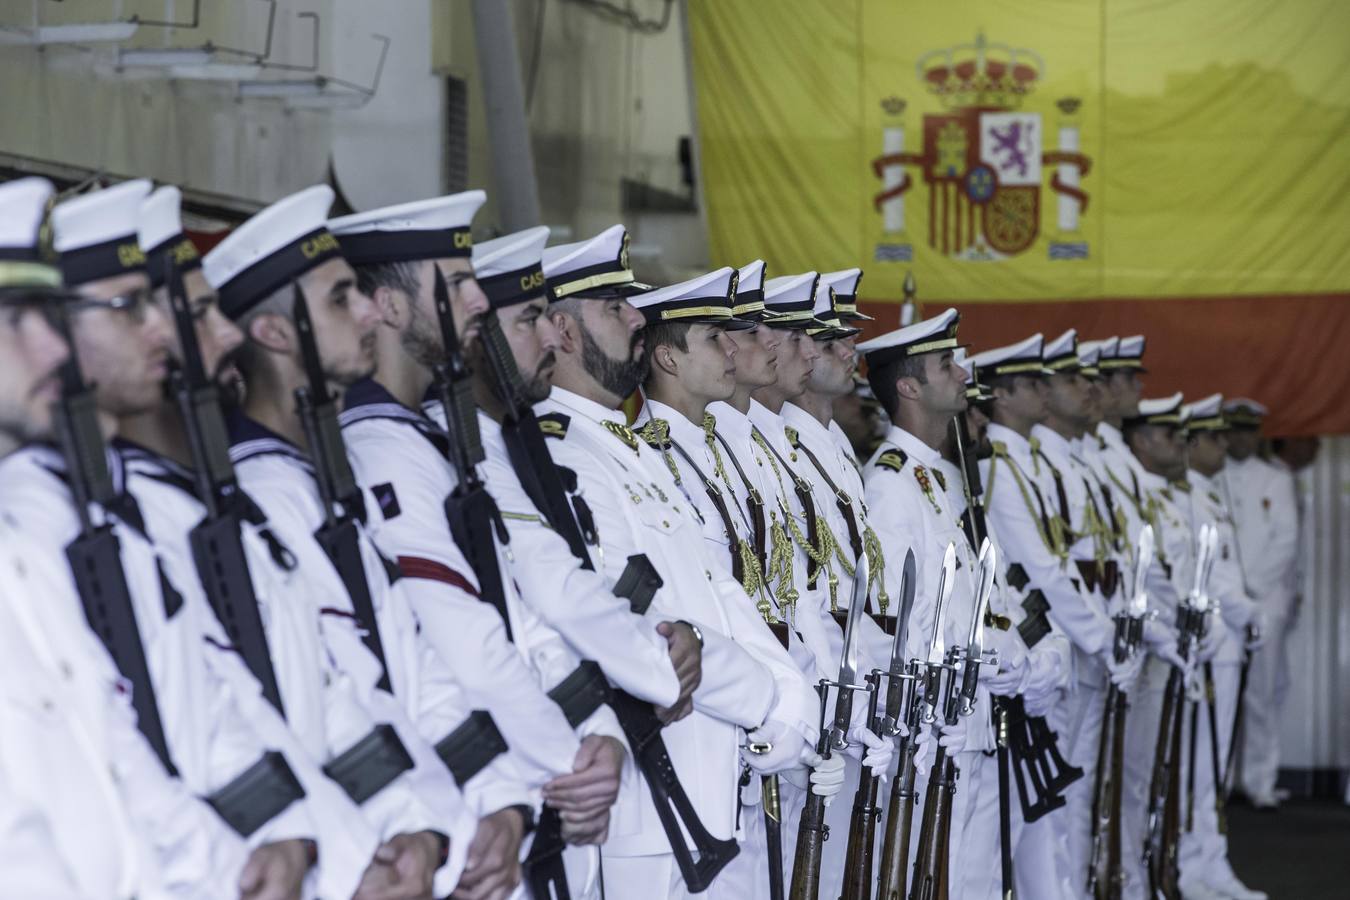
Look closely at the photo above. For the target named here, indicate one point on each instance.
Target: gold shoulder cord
(1001, 453)
(657, 435)
(825, 550)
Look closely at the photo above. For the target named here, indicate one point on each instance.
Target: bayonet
(937, 648)
(848, 679)
(890, 722)
(975, 642)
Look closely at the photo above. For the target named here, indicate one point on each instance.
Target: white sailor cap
(975, 391)
(272, 249)
(510, 269)
(845, 284)
(825, 311)
(791, 300)
(1160, 411)
(1061, 354)
(94, 234)
(703, 300)
(597, 267)
(161, 238)
(748, 303)
(435, 228)
(1023, 358)
(1089, 358)
(23, 207)
(927, 336)
(1206, 414)
(1241, 412)
(1129, 354)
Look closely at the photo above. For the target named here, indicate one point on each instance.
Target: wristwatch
(698, 635)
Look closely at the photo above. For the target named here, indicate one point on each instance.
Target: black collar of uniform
(180, 249)
(250, 438)
(367, 248)
(368, 399)
(119, 256)
(256, 283)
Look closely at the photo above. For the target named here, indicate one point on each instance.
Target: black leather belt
(257, 795)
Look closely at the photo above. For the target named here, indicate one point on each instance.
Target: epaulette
(893, 459)
(554, 424)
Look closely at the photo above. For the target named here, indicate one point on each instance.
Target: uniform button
(67, 671)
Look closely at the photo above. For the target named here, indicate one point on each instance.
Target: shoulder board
(893, 459)
(554, 424)
(793, 438)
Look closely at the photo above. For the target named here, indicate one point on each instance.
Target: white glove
(1008, 646)
(1211, 639)
(827, 776)
(1161, 642)
(925, 748)
(788, 748)
(1125, 675)
(1195, 689)
(953, 737)
(1039, 703)
(1045, 673)
(1003, 682)
(876, 752)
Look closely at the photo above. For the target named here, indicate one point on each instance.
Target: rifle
(1220, 813)
(339, 493)
(1235, 738)
(1161, 847)
(930, 864)
(543, 483)
(812, 832)
(217, 547)
(95, 556)
(862, 827)
(1106, 793)
(900, 707)
(977, 529)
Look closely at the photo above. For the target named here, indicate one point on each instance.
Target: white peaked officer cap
(1241, 412)
(845, 284)
(1206, 414)
(1129, 354)
(161, 238)
(1089, 355)
(705, 300)
(23, 269)
(790, 299)
(438, 228)
(748, 303)
(1025, 357)
(510, 269)
(1160, 411)
(1061, 354)
(825, 311)
(931, 335)
(1108, 348)
(94, 234)
(596, 268)
(272, 249)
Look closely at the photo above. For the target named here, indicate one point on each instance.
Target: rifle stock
(863, 821)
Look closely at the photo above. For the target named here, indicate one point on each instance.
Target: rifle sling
(342, 544)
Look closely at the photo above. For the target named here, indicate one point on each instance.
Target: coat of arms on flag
(983, 158)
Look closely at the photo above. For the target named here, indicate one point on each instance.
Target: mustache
(549, 361)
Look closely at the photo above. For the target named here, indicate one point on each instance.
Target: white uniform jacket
(399, 454)
(913, 507)
(640, 512)
(113, 822)
(1235, 606)
(216, 722)
(1022, 504)
(1262, 499)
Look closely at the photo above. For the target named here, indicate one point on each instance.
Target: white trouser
(1204, 850)
(644, 878)
(748, 874)
(1267, 686)
(1141, 739)
(1080, 742)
